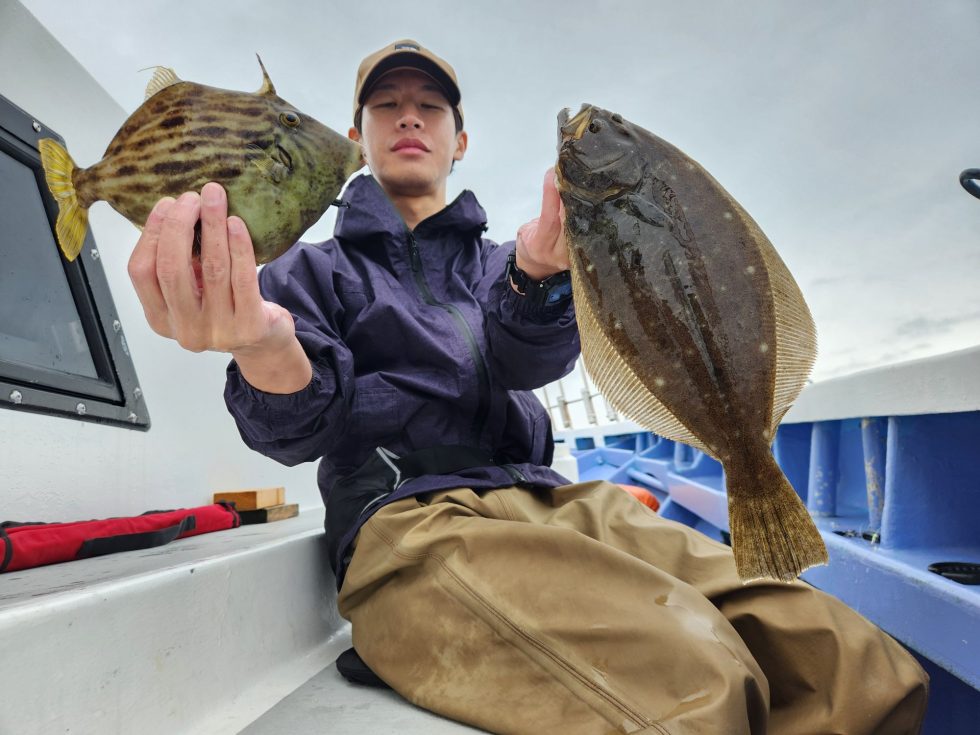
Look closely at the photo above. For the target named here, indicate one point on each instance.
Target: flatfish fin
(163, 77)
(796, 334)
(617, 381)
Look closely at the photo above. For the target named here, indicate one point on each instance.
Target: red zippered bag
(25, 545)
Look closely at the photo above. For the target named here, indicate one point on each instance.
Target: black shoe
(352, 668)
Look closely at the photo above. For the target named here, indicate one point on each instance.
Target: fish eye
(289, 119)
(594, 126)
(617, 118)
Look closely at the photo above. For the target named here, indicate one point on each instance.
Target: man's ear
(462, 139)
(356, 137)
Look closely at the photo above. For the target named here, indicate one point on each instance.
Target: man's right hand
(217, 305)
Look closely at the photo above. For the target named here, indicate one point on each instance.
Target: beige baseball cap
(401, 54)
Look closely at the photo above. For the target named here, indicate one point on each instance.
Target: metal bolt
(133, 418)
(37, 126)
(80, 409)
(116, 326)
(16, 396)
(94, 253)
(137, 392)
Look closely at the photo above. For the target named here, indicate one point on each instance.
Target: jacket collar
(370, 213)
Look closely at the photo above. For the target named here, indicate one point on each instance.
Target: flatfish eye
(289, 119)
(595, 126)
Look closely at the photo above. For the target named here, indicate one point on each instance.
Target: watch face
(559, 292)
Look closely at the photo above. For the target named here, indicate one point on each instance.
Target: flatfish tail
(773, 535)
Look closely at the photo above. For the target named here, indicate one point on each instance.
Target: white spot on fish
(766, 434)
(750, 269)
(617, 324)
(763, 347)
(673, 177)
(727, 215)
(590, 267)
(690, 166)
(659, 382)
(723, 287)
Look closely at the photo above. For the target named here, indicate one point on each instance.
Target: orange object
(643, 495)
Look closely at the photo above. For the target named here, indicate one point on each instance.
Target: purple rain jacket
(416, 340)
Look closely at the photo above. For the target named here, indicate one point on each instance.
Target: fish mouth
(571, 129)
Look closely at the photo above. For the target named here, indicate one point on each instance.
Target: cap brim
(411, 60)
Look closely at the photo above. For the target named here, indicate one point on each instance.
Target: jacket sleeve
(529, 346)
(299, 427)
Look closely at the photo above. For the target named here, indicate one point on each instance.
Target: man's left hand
(541, 248)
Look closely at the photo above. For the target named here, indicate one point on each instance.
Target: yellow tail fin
(72, 221)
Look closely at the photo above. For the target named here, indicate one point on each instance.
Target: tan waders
(578, 611)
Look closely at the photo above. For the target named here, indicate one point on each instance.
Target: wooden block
(268, 515)
(252, 499)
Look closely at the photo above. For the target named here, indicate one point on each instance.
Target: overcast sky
(840, 126)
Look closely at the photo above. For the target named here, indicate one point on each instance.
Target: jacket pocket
(380, 412)
(527, 436)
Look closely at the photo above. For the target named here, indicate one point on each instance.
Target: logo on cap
(404, 46)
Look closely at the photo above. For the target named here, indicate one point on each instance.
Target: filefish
(281, 168)
(690, 322)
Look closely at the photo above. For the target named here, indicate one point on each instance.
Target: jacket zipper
(482, 373)
(515, 474)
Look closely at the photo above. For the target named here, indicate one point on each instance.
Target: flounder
(691, 324)
(280, 167)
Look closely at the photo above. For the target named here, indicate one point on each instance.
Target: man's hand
(541, 248)
(214, 304)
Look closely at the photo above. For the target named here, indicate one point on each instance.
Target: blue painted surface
(890, 495)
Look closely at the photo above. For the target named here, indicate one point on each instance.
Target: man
(479, 583)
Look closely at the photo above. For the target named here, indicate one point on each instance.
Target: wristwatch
(552, 290)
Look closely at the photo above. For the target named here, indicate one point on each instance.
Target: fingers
(550, 201)
(541, 247)
(215, 265)
(143, 269)
(174, 271)
(244, 278)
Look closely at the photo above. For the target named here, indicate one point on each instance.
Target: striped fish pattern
(281, 168)
(691, 324)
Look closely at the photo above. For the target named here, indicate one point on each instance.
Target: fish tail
(773, 535)
(72, 223)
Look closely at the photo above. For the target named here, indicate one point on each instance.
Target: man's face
(409, 133)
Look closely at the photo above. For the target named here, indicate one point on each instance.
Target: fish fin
(269, 166)
(266, 88)
(72, 222)
(617, 381)
(163, 77)
(796, 334)
(773, 535)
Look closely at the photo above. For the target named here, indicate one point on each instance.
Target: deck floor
(329, 703)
